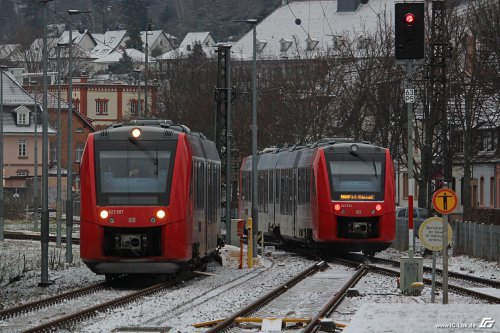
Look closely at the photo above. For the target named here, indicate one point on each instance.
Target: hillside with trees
(176, 17)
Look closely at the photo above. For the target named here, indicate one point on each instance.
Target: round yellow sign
(444, 200)
(430, 233)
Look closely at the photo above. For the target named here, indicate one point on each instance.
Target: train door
(207, 180)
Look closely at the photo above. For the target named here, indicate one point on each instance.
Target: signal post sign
(444, 201)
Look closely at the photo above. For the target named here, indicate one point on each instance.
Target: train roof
(301, 156)
(160, 123)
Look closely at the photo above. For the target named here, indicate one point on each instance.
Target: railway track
(34, 236)
(58, 318)
(451, 274)
(453, 287)
(326, 289)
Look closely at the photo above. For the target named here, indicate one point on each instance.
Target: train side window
(308, 186)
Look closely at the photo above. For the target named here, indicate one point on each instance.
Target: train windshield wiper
(150, 156)
(373, 165)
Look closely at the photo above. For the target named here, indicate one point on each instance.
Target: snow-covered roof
(186, 47)
(318, 21)
(13, 93)
(75, 35)
(115, 56)
(107, 42)
(180, 53)
(152, 36)
(194, 37)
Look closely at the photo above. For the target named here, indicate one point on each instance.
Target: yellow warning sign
(444, 201)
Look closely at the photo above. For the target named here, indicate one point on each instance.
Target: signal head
(409, 18)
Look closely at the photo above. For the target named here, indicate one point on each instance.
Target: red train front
(336, 193)
(150, 195)
(354, 205)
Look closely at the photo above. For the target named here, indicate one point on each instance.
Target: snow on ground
(211, 297)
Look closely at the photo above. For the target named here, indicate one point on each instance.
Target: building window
(79, 153)
(22, 148)
(53, 154)
(135, 108)
(22, 118)
(101, 106)
(492, 192)
(79, 130)
(22, 173)
(76, 104)
(481, 192)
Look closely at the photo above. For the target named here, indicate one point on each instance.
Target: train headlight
(337, 207)
(161, 214)
(378, 207)
(354, 148)
(136, 133)
(104, 214)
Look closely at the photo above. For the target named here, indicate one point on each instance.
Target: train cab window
(358, 176)
(127, 174)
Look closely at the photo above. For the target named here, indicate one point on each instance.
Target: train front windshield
(133, 174)
(356, 176)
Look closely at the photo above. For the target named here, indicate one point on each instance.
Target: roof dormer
(285, 44)
(261, 44)
(22, 116)
(311, 43)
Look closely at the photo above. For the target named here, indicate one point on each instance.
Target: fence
(477, 240)
(473, 239)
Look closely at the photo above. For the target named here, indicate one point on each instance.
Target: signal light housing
(409, 30)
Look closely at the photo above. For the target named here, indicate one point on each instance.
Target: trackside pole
(250, 243)
(410, 266)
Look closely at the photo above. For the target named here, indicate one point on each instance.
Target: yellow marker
(250, 243)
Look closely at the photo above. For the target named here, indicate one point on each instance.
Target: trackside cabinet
(409, 269)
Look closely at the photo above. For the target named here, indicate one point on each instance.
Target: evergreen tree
(125, 65)
(134, 41)
(197, 52)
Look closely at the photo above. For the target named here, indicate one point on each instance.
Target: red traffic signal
(409, 28)
(409, 18)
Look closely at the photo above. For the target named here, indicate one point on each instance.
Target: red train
(336, 193)
(150, 198)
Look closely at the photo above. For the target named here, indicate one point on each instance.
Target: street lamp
(69, 166)
(148, 29)
(255, 212)
(59, 144)
(2, 68)
(35, 171)
(44, 229)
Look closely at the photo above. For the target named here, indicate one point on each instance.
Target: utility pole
(35, 147)
(44, 229)
(223, 98)
(146, 68)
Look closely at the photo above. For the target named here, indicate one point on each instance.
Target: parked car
(419, 216)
